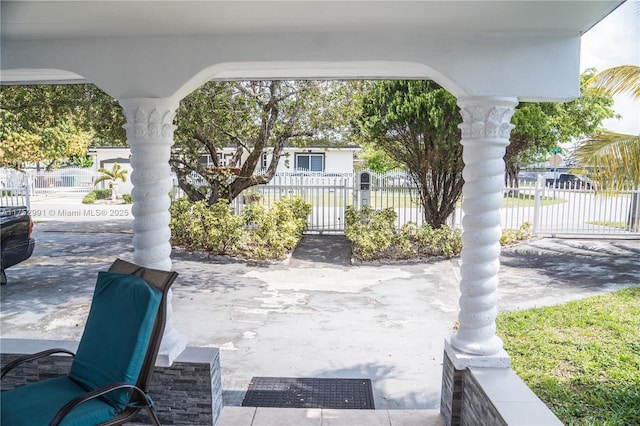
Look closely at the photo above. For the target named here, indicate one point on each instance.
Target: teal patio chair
(108, 380)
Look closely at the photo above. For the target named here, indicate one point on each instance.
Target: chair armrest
(64, 411)
(32, 357)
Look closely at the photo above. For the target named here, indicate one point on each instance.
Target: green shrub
(102, 193)
(257, 233)
(403, 241)
(374, 236)
(277, 230)
(370, 231)
(443, 241)
(97, 194)
(252, 214)
(512, 236)
(212, 228)
(90, 198)
(127, 198)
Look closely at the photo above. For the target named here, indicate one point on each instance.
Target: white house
(295, 159)
(315, 159)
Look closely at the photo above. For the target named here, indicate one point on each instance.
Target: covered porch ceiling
(527, 49)
(45, 20)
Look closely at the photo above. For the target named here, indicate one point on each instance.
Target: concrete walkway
(249, 416)
(317, 316)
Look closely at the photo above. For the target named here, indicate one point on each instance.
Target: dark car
(16, 227)
(569, 181)
(527, 177)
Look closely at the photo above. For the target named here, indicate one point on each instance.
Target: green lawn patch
(521, 199)
(609, 224)
(581, 358)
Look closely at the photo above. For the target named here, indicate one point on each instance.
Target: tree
(416, 123)
(117, 173)
(540, 126)
(60, 140)
(18, 145)
(614, 158)
(50, 123)
(378, 160)
(252, 118)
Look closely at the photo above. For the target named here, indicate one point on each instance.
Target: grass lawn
(581, 358)
(610, 224)
(527, 200)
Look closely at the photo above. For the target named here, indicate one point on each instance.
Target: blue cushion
(37, 403)
(116, 335)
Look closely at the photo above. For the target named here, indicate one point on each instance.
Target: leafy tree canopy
(61, 140)
(248, 119)
(377, 159)
(52, 123)
(540, 126)
(416, 124)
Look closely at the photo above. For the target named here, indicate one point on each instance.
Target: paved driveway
(318, 316)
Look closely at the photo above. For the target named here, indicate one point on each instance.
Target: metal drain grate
(287, 392)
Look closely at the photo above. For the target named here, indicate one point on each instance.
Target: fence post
(633, 219)
(28, 191)
(537, 205)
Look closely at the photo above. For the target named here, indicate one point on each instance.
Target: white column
(150, 135)
(485, 135)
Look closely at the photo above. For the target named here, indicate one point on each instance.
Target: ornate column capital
(486, 117)
(149, 118)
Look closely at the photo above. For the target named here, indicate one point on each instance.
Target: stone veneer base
(475, 393)
(188, 392)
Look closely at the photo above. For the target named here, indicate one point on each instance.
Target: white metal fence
(568, 210)
(68, 179)
(15, 188)
(18, 186)
(551, 211)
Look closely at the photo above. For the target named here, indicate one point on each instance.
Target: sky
(615, 41)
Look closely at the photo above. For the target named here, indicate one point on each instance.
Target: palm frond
(116, 173)
(624, 79)
(105, 172)
(101, 179)
(614, 157)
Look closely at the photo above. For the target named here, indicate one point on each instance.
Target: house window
(310, 162)
(264, 160)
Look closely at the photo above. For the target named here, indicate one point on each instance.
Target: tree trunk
(511, 175)
(114, 191)
(439, 197)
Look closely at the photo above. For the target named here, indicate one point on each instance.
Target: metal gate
(330, 194)
(15, 188)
